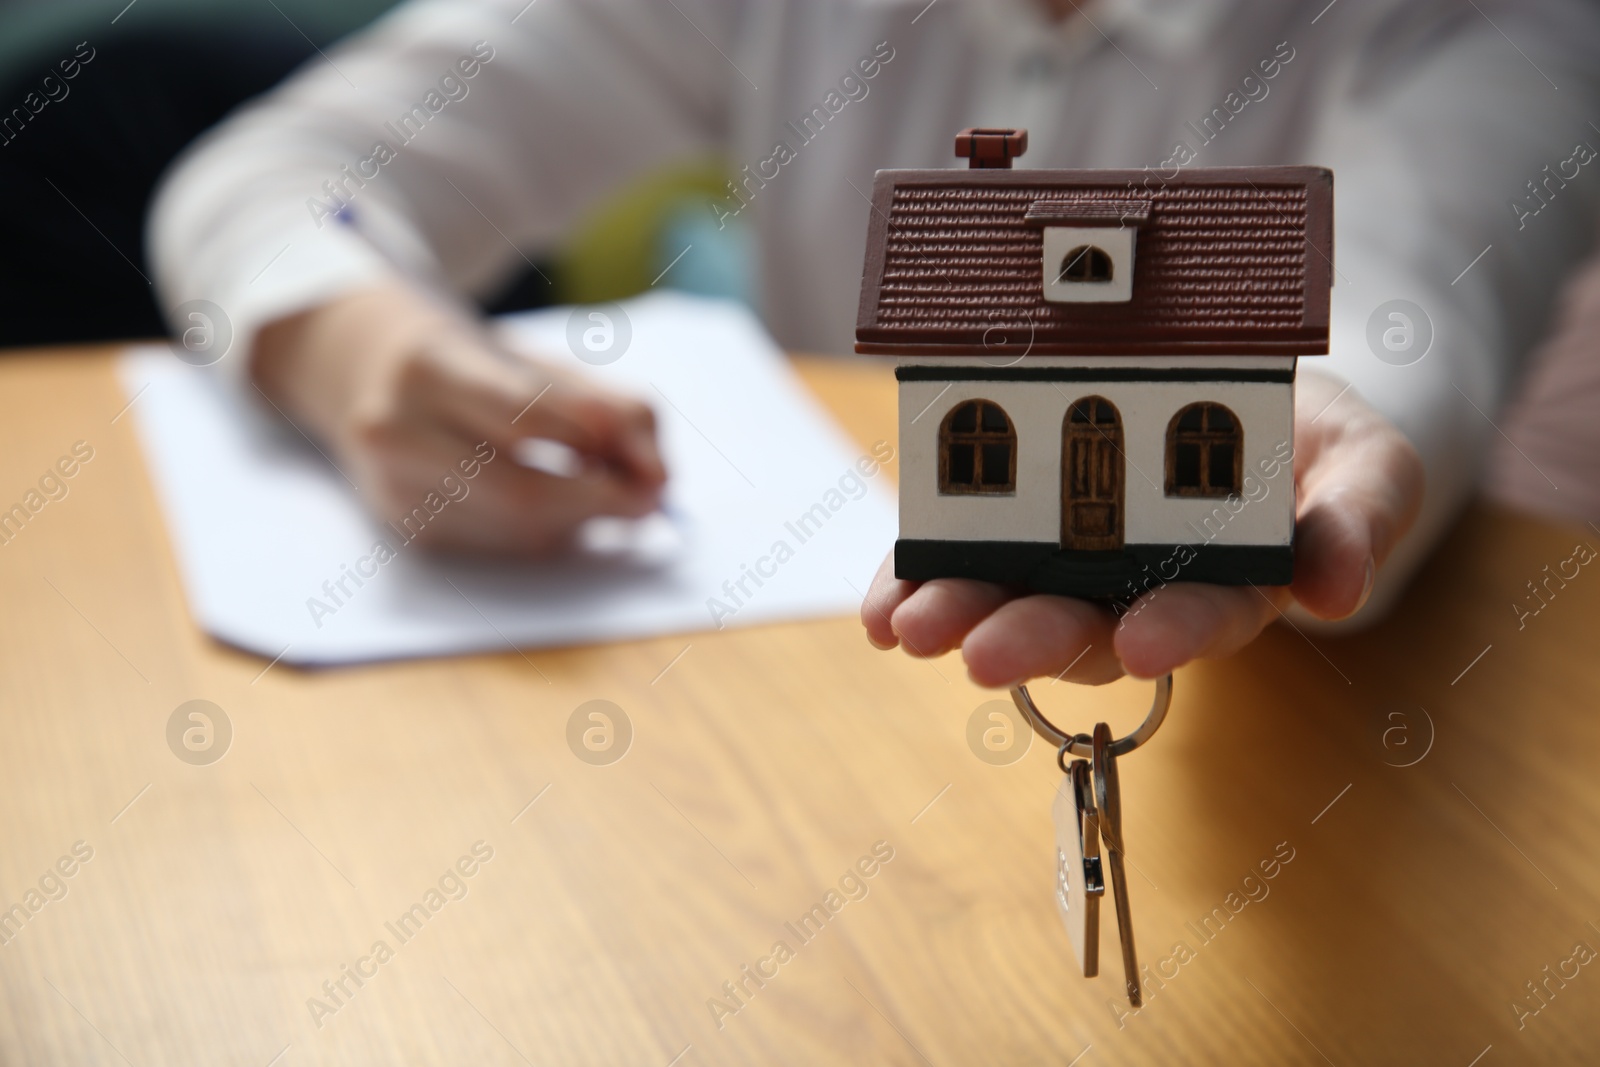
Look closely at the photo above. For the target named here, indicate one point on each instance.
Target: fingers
(1006, 640)
(523, 498)
(1360, 490)
(616, 431)
(938, 614)
(408, 390)
(509, 510)
(884, 595)
(1034, 636)
(1168, 627)
(451, 399)
(480, 395)
(1337, 551)
(637, 444)
(417, 479)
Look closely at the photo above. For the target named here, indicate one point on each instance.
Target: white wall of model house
(1265, 411)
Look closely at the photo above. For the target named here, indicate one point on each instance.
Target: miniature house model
(1096, 367)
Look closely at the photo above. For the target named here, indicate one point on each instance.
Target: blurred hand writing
(402, 388)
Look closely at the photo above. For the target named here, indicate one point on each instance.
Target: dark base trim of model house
(1043, 566)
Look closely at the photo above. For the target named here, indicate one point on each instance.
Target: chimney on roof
(984, 148)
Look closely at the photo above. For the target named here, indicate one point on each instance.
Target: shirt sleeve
(448, 143)
(1436, 134)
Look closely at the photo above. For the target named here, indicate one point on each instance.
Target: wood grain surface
(1417, 904)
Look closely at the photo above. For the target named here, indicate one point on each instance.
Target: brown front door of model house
(1091, 476)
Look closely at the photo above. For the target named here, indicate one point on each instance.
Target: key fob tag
(1080, 882)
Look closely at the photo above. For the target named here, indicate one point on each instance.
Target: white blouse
(455, 137)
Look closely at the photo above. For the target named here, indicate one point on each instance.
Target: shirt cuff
(218, 298)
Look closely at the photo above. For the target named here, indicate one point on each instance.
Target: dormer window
(1088, 248)
(1086, 263)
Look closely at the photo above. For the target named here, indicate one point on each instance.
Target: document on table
(771, 512)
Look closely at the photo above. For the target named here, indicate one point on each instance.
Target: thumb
(1361, 493)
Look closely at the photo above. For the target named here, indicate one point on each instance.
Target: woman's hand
(1360, 487)
(402, 389)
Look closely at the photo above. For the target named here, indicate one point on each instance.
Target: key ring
(1080, 744)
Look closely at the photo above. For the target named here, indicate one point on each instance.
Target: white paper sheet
(260, 520)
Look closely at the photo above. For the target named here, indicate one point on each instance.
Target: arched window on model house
(1205, 451)
(977, 449)
(1085, 263)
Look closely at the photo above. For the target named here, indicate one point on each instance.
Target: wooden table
(765, 763)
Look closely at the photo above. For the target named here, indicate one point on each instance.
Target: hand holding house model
(1097, 380)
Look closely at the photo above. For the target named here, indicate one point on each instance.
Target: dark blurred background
(81, 156)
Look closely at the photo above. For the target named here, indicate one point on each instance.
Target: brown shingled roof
(1228, 261)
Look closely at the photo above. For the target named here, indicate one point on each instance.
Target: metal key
(1079, 880)
(1088, 810)
(1108, 815)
